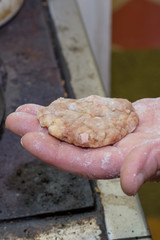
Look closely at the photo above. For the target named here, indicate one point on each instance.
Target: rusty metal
(28, 187)
(53, 228)
(37, 189)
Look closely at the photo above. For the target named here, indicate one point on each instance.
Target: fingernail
(21, 142)
(17, 108)
(139, 181)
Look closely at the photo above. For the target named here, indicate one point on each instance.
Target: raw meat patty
(92, 122)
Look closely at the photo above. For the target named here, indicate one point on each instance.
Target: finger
(91, 163)
(21, 122)
(29, 108)
(140, 165)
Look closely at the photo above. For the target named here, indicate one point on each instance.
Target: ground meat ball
(92, 122)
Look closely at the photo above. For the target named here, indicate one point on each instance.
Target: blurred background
(135, 72)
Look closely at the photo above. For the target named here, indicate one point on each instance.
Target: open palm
(136, 158)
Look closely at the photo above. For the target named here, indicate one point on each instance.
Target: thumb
(140, 165)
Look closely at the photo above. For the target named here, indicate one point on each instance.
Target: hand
(136, 158)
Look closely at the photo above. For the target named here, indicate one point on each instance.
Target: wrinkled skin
(136, 158)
